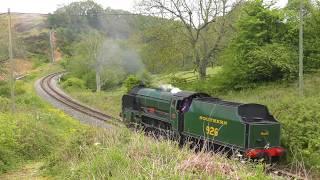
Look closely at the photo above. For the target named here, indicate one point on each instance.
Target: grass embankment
(35, 129)
(122, 153)
(106, 101)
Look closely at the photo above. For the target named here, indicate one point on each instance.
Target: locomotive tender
(248, 128)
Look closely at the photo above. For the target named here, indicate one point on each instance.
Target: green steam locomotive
(247, 128)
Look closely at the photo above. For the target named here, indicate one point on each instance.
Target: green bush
(5, 90)
(25, 139)
(74, 82)
(38, 59)
(176, 81)
(301, 134)
(264, 64)
(130, 82)
(5, 104)
(32, 135)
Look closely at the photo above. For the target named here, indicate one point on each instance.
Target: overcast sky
(48, 6)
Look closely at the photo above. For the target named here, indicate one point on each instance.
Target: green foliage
(119, 152)
(39, 59)
(312, 38)
(258, 52)
(107, 101)
(131, 81)
(177, 81)
(265, 63)
(5, 104)
(73, 83)
(301, 133)
(35, 130)
(5, 90)
(164, 47)
(30, 135)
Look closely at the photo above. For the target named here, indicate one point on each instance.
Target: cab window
(173, 103)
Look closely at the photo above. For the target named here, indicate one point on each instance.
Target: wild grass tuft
(120, 153)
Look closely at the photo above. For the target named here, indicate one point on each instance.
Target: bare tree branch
(196, 16)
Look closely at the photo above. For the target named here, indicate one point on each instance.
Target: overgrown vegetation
(121, 153)
(34, 130)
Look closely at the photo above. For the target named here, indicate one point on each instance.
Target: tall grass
(108, 102)
(34, 130)
(120, 153)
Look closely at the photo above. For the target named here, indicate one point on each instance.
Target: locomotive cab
(181, 103)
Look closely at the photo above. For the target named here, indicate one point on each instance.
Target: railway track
(46, 86)
(50, 90)
(285, 174)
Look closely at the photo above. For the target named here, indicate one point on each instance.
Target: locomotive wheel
(182, 140)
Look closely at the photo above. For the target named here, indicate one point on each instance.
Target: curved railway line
(47, 86)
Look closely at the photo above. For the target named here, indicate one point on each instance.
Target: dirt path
(28, 171)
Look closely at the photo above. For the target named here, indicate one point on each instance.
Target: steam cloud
(114, 54)
(170, 88)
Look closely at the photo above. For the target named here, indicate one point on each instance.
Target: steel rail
(284, 173)
(45, 84)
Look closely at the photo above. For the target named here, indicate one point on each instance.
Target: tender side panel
(215, 122)
(261, 134)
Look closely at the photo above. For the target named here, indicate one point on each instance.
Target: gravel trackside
(83, 118)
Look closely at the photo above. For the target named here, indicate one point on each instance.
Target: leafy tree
(195, 18)
(73, 20)
(131, 81)
(311, 27)
(312, 38)
(164, 48)
(86, 58)
(259, 53)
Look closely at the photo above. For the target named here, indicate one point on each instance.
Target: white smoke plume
(170, 88)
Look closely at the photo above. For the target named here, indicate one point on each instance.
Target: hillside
(30, 41)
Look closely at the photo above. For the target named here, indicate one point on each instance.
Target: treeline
(265, 47)
(98, 44)
(253, 42)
